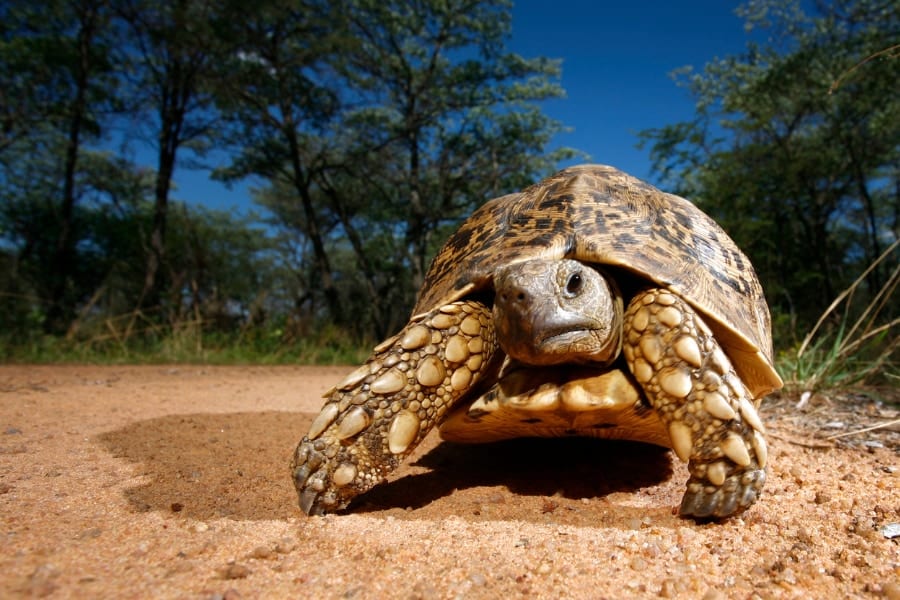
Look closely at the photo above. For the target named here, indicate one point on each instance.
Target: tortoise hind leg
(709, 413)
(376, 416)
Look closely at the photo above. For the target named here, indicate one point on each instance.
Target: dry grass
(845, 351)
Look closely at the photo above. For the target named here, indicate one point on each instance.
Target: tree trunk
(302, 186)
(377, 300)
(59, 311)
(171, 120)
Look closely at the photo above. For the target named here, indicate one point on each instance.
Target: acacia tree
(173, 49)
(279, 87)
(795, 146)
(384, 122)
(445, 116)
(56, 90)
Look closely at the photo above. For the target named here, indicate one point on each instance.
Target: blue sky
(617, 57)
(617, 60)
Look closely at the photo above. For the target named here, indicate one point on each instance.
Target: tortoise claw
(309, 474)
(703, 500)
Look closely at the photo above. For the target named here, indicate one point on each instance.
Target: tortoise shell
(600, 215)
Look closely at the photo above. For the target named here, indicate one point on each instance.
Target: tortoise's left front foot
(380, 412)
(710, 415)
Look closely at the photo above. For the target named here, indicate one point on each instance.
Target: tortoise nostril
(520, 296)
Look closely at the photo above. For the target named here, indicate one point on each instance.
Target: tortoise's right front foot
(709, 413)
(376, 416)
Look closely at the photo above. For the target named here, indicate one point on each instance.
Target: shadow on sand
(206, 466)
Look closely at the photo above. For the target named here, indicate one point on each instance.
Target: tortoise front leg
(710, 415)
(376, 416)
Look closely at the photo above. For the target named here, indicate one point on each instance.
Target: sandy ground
(172, 482)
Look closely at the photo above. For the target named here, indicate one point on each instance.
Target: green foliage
(795, 149)
(189, 343)
(403, 103)
(361, 122)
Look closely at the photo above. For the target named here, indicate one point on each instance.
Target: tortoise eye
(573, 284)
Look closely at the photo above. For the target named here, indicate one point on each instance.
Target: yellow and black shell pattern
(599, 215)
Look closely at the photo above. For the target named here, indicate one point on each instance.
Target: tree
(795, 147)
(56, 89)
(389, 122)
(173, 52)
(280, 88)
(449, 116)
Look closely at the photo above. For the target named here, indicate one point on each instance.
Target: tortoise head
(550, 311)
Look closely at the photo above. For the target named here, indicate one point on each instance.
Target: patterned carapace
(597, 214)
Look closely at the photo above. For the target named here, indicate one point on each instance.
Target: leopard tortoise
(588, 304)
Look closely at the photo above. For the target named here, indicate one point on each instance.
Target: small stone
(236, 571)
(891, 530)
(261, 552)
(285, 545)
(548, 505)
(199, 527)
(822, 498)
(176, 507)
(42, 581)
(668, 589)
(90, 534)
(891, 590)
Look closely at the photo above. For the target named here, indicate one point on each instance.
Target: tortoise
(591, 303)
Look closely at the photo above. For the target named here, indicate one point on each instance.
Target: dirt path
(172, 482)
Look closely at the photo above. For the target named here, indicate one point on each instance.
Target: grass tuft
(844, 352)
(137, 339)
